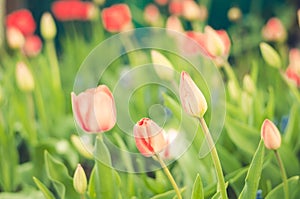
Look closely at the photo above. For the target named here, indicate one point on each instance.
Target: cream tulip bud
(79, 180)
(48, 27)
(162, 66)
(24, 77)
(270, 55)
(271, 135)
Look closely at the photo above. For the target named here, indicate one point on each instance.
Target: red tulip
(149, 137)
(292, 75)
(274, 30)
(94, 109)
(176, 7)
(21, 20)
(73, 10)
(293, 70)
(33, 46)
(192, 100)
(271, 135)
(116, 18)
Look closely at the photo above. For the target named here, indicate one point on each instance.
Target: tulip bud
(274, 30)
(15, 39)
(233, 90)
(48, 27)
(149, 137)
(33, 46)
(191, 10)
(24, 77)
(215, 44)
(152, 15)
(173, 23)
(162, 66)
(270, 55)
(176, 7)
(94, 109)
(192, 100)
(248, 84)
(271, 135)
(79, 180)
(234, 14)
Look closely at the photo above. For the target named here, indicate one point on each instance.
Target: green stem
(2, 14)
(51, 52)
(230, 73)
(215, 158)
(31, 119)
(82, 196)
(282, 171)
(169, 175)
(292, 87)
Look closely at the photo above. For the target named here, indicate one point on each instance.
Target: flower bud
(94, 109)
(270, 55)
(192, 11)
(149, 137)
(174, 23)
(234, 14)
(33, 46)
(162, 66)
(271, 135)
(176, 7)
(192, 100)
(24, 77)
(274, 30)
(79, 180)
(215, 44)
(248, 84)
(233, 90)
(48, 27)
(83, 148)
(152, 15)
(15, 39)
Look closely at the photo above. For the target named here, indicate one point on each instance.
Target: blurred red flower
(22, 20)
(73, 10)
(33, 46)
(116, 18)
(293, 70)
(274, 30)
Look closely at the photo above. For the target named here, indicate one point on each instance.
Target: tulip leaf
(216, 196)
(254, 173)
(168, 195)
(58, 174)
(197, 192)
(243, 136)
(104, 179)
(294, 191)
(46, 192)
(291, 133)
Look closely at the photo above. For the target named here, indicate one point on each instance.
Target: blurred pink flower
(293, 70)
(94, 109)
(192, 99)
(22, 20)
(171, 149)
(174, 23)
(271, 135)
(33, 46)
(149, 137)
(117, 18)
(73, 10)
(152, 15)
(274, 30)
(176, 7)
(214, 44)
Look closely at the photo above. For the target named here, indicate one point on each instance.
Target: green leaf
(168, 195)
(47, 194)
(197, 192)
(254, 173)
(58, 174)
(278, 193)
(290, 132)
(217, 196)
(105, 181)
(243, 136)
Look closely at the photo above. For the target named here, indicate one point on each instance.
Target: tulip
(33, 46)
(15, 39)
(24, 77)
(248, 84)
(294, 59)
(162, 66)
(116, 18)
(73, 10)
(292, 75)
(176, 7)
(274, 31)
(94, 109)
(234, 14)
(21, 20)
(171, 150)
(174, 23)
(271, 135)
(192, 99)
(152, 15)
(48, 27)
(149, 137)
(79, 180)
(270, 55)
(192, 11)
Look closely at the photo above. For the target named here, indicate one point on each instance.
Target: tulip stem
(169, 175)
(283, 174)
(215, 158)
(230, 73)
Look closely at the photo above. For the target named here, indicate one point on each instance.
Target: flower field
(158, 99)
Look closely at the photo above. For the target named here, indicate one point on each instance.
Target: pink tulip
(94, 109)
(192, 100)
(176, 7)
(116, 18)
(174, 23)
(293, 70)
(215, 44)
(274, 30)
(152, 15)
(271, 135)
(33, 46)
(172, 148)
(149, 137)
